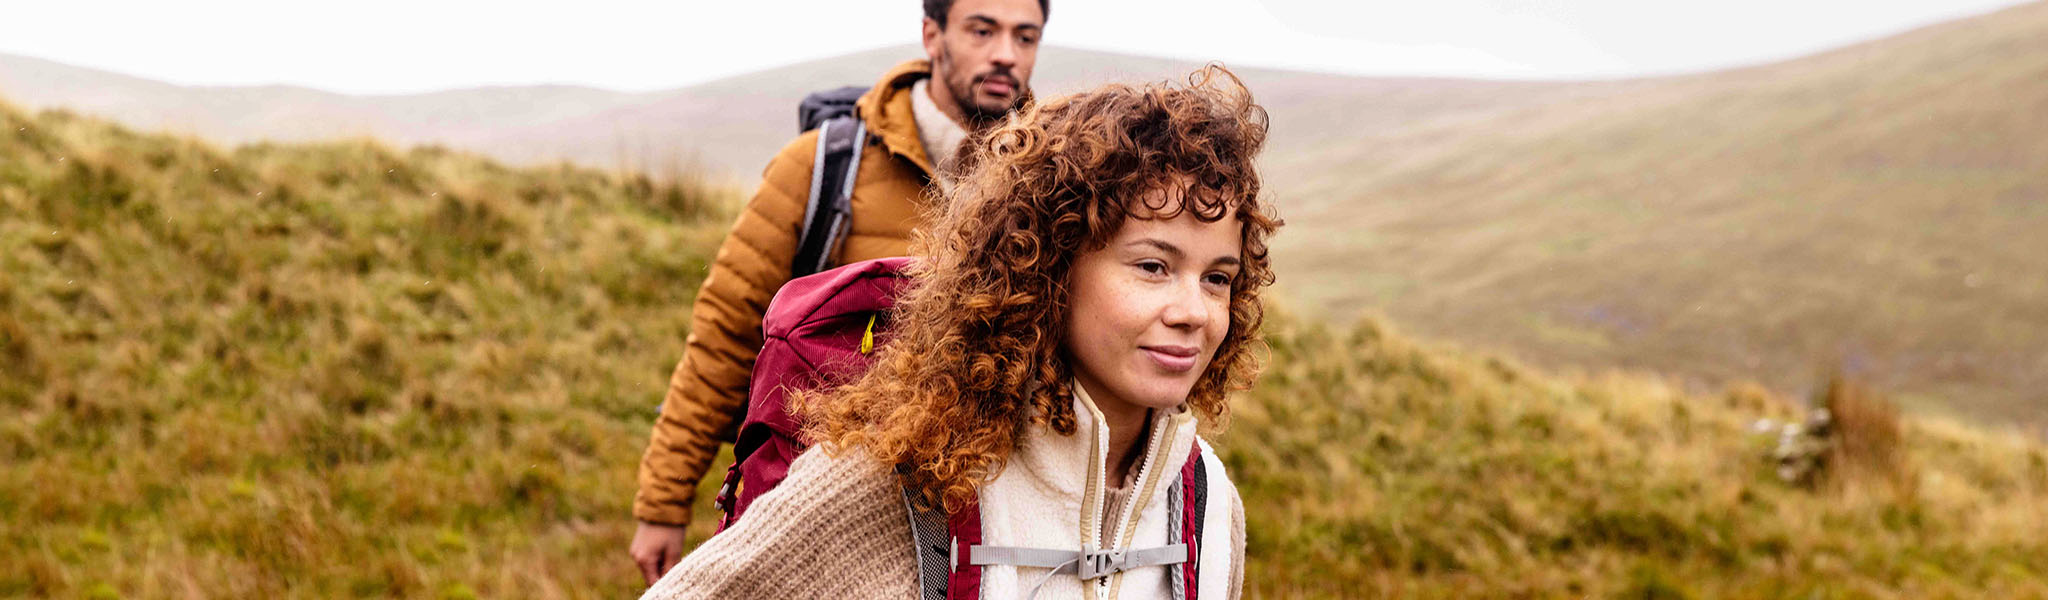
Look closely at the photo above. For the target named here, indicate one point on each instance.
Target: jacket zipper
(1131, 507)
(1098, 474)
(1134, 497)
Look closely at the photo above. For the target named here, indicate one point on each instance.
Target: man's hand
(656, 548)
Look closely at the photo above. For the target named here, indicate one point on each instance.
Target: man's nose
(1006, 52)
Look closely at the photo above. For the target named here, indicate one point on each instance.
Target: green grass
(340, 370)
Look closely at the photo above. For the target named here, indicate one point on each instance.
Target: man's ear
(932, 31)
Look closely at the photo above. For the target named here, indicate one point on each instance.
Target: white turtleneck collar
(940, 134)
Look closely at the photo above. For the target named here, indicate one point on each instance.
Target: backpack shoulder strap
(941, 541)
(1185, 515)
(840, 141)
(929, 536)
(964, 527)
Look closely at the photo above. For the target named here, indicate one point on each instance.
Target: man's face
(984, 54)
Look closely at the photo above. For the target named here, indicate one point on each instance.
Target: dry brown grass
(1867, 437)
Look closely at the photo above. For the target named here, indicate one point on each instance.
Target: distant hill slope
(1876, 207)
(729, 126)
(340, 370)
(284, 113)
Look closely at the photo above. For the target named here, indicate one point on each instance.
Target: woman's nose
(1185, 306)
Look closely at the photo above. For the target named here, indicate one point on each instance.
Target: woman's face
(1150, 309)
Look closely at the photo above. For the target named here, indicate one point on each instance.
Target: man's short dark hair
(936, 10)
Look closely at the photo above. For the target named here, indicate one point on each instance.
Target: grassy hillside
(1871, 208)
(342, 371)
(329, 370)
(1375, 466)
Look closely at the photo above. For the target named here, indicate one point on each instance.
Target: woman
(1091, 289)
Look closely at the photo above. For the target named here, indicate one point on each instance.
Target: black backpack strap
(928, 534)
(840, 141)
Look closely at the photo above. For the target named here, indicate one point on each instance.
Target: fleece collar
(1076, 466)
(1052, 491)
(940, 135)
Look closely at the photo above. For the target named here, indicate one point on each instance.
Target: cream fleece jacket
(837, 528)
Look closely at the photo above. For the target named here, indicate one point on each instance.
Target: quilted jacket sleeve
(707, 393)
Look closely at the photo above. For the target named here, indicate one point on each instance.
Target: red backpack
(819, 328)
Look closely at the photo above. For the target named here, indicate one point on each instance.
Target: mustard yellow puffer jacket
(707, 394)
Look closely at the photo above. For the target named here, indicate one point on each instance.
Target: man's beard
(976, 115)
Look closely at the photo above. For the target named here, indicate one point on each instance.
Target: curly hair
(976, 352)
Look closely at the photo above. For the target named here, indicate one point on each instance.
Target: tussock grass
(1868, 436)
(341, 370)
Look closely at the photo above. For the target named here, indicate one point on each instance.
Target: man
(979, 59)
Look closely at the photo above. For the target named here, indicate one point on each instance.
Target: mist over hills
(1870, 208)
(727, 126)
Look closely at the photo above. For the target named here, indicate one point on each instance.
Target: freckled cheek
(1217, 328)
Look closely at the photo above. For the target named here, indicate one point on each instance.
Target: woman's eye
(1153, 267)
(1218, 279)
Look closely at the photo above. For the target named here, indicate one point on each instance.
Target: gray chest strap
(1087, 565)
(936, 548)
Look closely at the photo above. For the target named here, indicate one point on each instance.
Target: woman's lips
(1178, 359)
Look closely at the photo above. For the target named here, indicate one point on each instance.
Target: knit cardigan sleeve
(836, 528)
(1236, 547)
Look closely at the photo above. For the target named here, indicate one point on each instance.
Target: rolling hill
(1870, 208)
(343, 370)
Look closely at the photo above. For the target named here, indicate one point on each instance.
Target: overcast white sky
(401, 46)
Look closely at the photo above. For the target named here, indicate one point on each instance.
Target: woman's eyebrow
(1175, 253)
(1170, 249)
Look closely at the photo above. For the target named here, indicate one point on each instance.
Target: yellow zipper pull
(867, 339)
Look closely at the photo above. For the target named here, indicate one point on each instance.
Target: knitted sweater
(837, 526)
